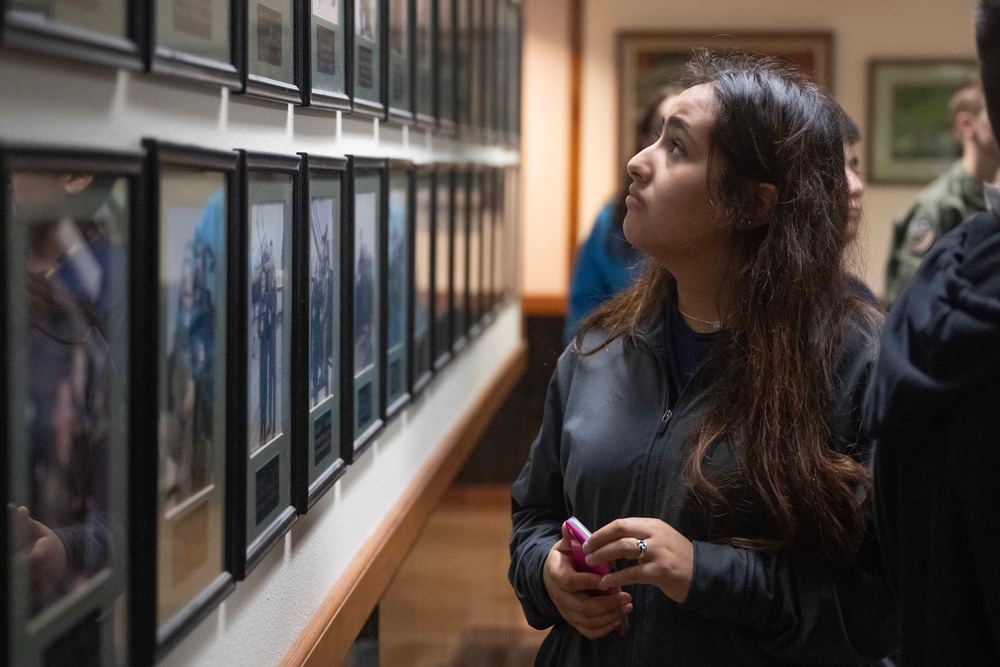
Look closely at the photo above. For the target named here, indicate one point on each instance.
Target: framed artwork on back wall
(648, 61)
(911, 135)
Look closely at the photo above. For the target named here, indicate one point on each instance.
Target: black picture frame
(400, 53)
(460, 259)
(463, 68)
(270, 70)
(73, 265)
(491, 248)
(159, 620)
(31, 31)
(363, 394)
(318, 462)
(369, 56)
(328, 65)
(422, 285)
(175, 59)
(399, 287)
(441, 283)
(270, 183)
(445, 66)
(475, 242)
(425, 63)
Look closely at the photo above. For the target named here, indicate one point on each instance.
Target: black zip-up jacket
(611, 445)
(933, 408)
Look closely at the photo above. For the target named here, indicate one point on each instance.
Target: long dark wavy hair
(776, 363)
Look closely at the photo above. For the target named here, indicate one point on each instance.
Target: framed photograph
(911, 136)
(318, 329)
(475, 232)
(369, 35)
(104, 32)
(326, 73)
(398, 289)
(67, 222)
(267, 238)
(422, 294)
(648, 61)
(181, 402)
(365, 271)
(400, 80)
(441, 282)
(424, 95)
(460, 260)
(199, 40)
(492, 95)
(274, 50)
(446, 108)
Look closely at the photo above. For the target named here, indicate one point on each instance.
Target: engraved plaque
(267, 489)
(326, 50)
(268, 35)
(323, 437)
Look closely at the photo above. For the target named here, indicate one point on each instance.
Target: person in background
(607, 263)
(932, 410)
(953, 197)
(856, 188)
(705, 423)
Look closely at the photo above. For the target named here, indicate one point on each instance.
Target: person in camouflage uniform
(950, 199)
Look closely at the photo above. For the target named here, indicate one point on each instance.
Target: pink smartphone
(578, 534)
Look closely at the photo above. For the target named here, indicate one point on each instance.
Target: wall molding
(328, 635)
(543, 304)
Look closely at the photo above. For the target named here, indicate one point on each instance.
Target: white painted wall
(545, 144)
(863, 29)
(52, 103)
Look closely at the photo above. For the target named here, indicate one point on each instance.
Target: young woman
(705, 423)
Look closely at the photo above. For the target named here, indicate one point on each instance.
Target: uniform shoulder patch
(920, 235)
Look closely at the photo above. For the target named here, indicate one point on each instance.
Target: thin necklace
(716, 324)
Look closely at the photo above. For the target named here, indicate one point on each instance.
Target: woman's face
(670, 213)
(856, 187)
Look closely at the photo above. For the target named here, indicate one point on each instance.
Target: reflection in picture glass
(267, 231)
(73, 338)
(328, 10)
(365, 280)
(366, 19)
(321, 300)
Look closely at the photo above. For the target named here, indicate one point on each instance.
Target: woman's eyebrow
(679, 124)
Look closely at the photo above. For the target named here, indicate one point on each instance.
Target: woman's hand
(572, 592)
(667, 563)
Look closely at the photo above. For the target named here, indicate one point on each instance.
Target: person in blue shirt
(607, 263)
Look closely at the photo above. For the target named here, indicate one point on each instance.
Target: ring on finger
(641, 546)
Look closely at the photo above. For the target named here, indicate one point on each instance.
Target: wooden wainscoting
(327, 637)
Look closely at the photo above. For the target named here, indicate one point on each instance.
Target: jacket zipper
(639, 599)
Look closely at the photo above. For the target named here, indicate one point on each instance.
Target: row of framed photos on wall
(434, 63)
(198, 343)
